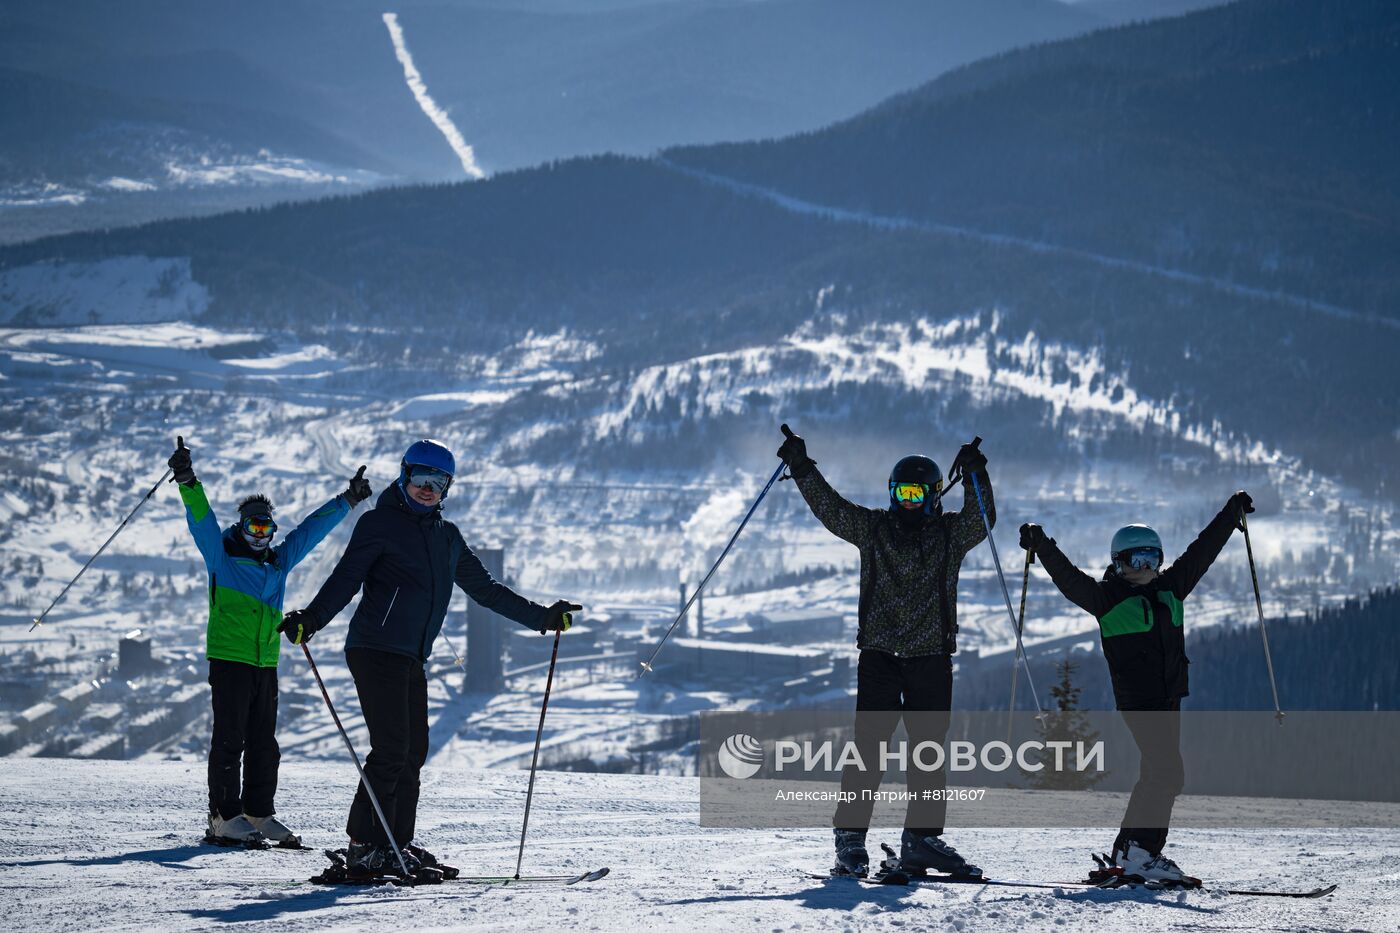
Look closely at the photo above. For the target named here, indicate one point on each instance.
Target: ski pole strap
(1259, 605)
(63, 592)
(1006, 594)
(534, 759)
(646, 665)
(364, 778)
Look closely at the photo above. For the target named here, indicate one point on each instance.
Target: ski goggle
(909, 492)
(1141, 558)
(259, 526)
(429, 478)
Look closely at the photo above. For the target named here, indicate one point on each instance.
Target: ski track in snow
(74, 861)
(436, 114)
(798, 205)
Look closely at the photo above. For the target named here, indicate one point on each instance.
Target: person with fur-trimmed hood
(247, 584)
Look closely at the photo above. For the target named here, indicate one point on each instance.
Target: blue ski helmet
(428, 453)
(918, 469)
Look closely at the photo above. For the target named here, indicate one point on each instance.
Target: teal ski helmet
(1131, 538)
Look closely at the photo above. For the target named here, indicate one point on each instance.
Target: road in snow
(114, 845)
(800, 206)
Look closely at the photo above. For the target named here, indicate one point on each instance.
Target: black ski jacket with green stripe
(908, 572)
(1142, 627)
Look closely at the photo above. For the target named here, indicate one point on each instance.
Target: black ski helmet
(917, 468)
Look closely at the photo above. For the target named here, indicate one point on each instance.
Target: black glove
(559, 617)
(1242, 505)
(296, 625)
(794, 454)
(180, 462)
(359, 489)
(969, 460)
(1032, 537)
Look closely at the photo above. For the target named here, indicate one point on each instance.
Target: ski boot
(851, 857)
(918, 854)
(233, 832)
(1136, 865)
(275, 832)
(426, 859)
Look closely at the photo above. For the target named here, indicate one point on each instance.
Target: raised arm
(476, 581)
(966, 525)
(204, 527)
(366, 544)
(1076, 585)
(1186, 572)
(841, 517)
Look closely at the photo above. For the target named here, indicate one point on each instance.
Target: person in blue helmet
(404, 557)
(910, 555)
(1139, 607)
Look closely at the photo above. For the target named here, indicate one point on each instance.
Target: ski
(1126, 886)
(564, 880)
(227, 843)
(886, 878)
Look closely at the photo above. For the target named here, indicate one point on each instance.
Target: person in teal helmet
(1139, 606)
(404, 558)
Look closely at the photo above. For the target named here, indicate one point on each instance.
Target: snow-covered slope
(115, 846)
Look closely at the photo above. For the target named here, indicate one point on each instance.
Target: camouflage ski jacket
(908, 573)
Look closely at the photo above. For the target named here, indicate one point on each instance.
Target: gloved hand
(969, 460)
(1032, 537)
(1242, 504)
(359, 489)
(180, 462)
(794, 454)
(296, 625)
(559, 617)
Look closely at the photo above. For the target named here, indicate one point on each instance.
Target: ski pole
(1259, 604)
(1006, 594)
(534, 760)
(646, 665)
(364, 779)
(40, 621)
(1020, 627)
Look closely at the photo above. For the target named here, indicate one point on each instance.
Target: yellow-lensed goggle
(909, 492)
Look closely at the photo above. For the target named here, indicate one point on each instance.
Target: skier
(406, 557)
(1141, 624)
(910, 555)
(247, 582)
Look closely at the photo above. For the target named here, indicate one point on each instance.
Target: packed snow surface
(115, 845)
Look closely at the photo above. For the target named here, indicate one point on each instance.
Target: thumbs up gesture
(359, 489)
(181, 464)
(794, 454)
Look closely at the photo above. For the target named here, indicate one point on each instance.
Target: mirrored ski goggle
(429, 478)
(259, 527)
(1141, 558)
(909, 492)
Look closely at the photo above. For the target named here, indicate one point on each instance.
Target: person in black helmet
(404, 557)
(910, 554)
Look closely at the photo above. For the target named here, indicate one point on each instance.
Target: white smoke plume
(420, 93)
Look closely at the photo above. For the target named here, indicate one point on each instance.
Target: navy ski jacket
(406, 563)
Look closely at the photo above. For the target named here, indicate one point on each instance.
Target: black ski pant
(1161, 775)
(393, 690)
(245, 732)
(888, 687)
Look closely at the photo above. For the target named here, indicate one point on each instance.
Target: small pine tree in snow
(1065, 723)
